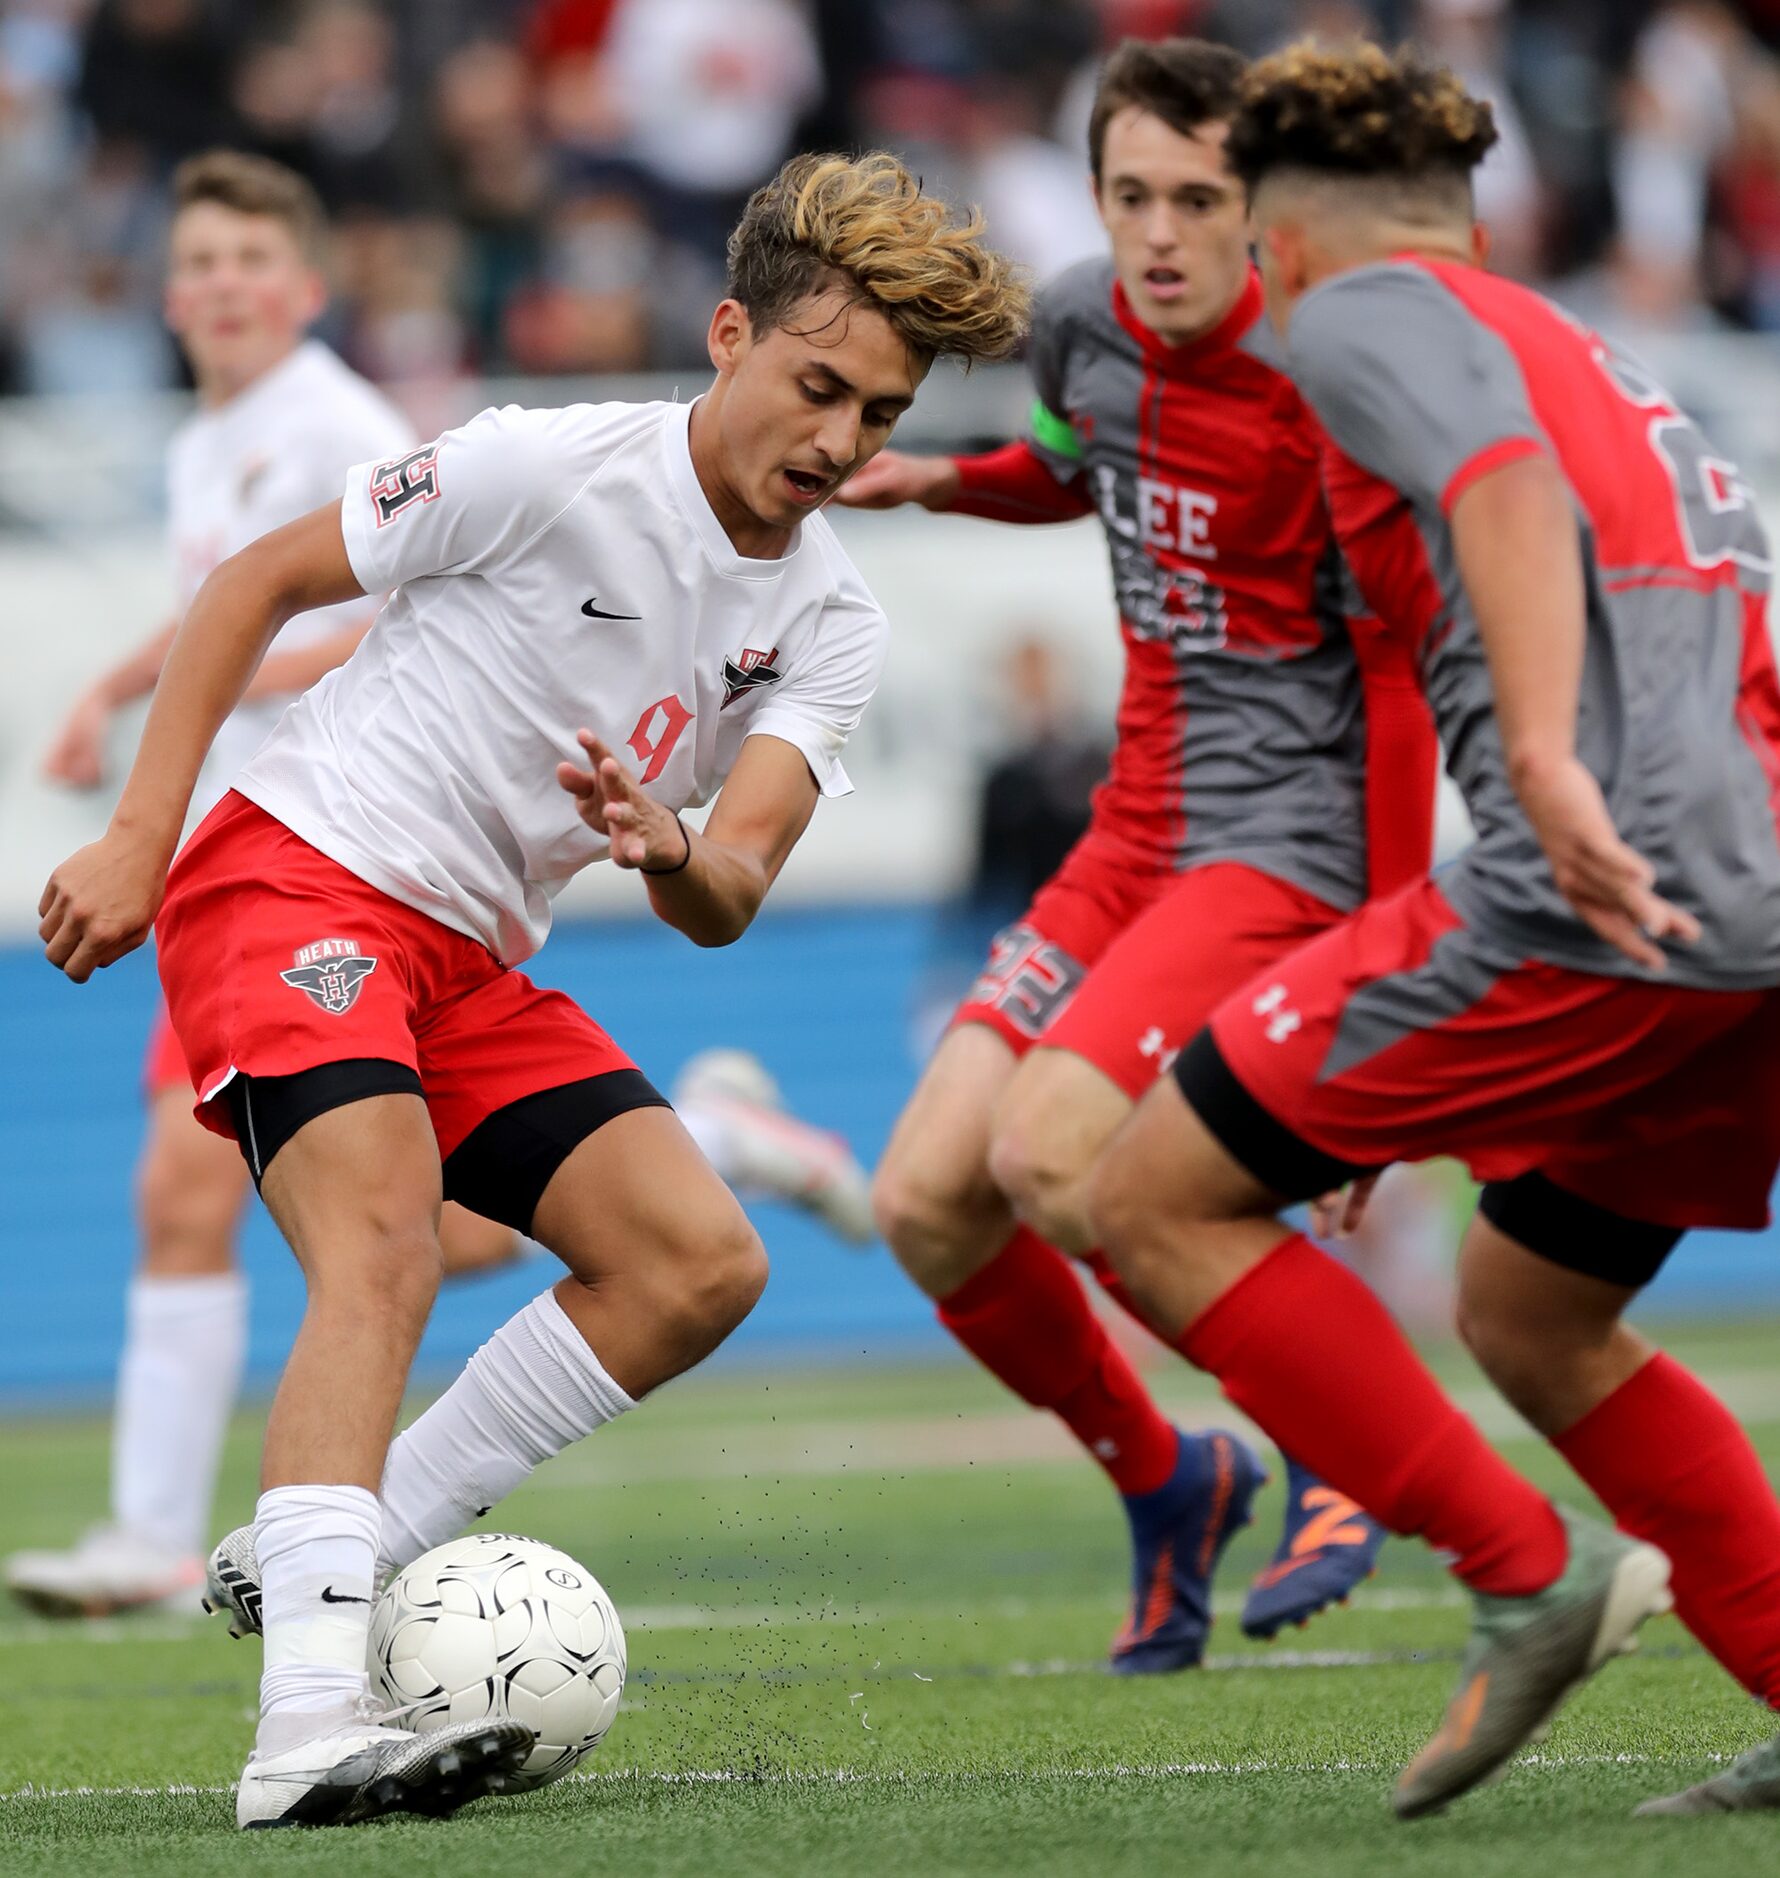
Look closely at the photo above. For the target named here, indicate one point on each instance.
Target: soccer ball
(494, 1624)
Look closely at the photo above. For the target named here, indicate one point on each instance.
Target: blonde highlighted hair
(864, 226)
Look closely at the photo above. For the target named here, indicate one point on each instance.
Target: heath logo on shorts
(331, 972)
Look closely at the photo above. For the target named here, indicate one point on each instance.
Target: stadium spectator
(598, 147)
(155, 75)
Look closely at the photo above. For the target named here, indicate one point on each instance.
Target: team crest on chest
(749, 671)
(331, 973)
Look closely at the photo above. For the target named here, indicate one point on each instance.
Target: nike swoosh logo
(599, 612)
(330, 1596)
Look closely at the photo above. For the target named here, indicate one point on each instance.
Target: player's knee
(936, 1249)
(714, 1291)
(922, 1214)
(1043, 1180)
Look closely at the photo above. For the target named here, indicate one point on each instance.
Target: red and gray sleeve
(1038, 477)
(1409, 383)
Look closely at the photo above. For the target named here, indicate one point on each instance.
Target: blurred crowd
(545, 185)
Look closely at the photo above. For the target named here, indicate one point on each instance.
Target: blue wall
(823, 997)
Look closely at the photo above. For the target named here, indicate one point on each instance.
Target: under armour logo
(1280, 1022)
(1154, 1044)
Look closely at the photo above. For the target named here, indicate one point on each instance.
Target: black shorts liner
(502, 1166)
(500, 1169)
(1578, 1234)
(268, 1110)
(1281, 1161)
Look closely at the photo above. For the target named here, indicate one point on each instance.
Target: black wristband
(658, 873)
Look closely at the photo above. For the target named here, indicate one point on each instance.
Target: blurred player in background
(338, 939)
(280, 421)
(1582, 1007)
(1236, 821)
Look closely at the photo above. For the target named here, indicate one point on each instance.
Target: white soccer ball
(498, 1625)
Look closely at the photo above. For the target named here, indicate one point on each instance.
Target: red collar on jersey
(1192, 352)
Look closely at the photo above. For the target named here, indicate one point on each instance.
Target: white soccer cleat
(362, 1769)
(232, 1582)
(732, 1108)
(108, 1571)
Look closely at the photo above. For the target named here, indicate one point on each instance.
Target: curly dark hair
(1185, 82)
(1357, 110)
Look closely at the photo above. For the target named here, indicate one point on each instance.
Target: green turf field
(866, 1614)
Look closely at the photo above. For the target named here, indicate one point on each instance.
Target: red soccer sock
(1306, 1350)
(1026, 1319)
(1672, 1465)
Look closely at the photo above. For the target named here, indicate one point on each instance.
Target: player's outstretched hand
(1337, 1215)
(77, 757)
(99, 904)
(643, 834)
(1608, 883)
(892, 478)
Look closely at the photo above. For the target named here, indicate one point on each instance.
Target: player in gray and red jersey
(1583, 1007)
(1233, 825)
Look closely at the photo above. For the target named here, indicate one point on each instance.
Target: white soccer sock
(317, 1551)
(531, 1390)
(185, 1341)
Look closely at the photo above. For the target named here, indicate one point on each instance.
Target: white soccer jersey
(554, 570)
(235, 472)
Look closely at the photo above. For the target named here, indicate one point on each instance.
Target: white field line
(847, 1777)
(902, 1444)
(170, 1628)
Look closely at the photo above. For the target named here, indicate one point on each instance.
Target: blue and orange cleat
(1329, 1546)
(1178, 1533)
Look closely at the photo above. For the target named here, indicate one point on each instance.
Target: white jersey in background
(237, 471)
(554, 570)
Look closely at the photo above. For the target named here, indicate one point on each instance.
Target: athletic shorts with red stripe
(1121, 964)
(277, 960)
(1594, 1104)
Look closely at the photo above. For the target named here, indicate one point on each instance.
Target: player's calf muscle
(189, 1194)
(1550, 1339)
(1179, 1220)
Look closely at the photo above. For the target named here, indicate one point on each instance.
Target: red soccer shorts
(276, 959)
(163, 1062)
(1401, 1034)
(1121, 966)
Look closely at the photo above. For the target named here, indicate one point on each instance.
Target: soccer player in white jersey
(279, 420)
(600, 617)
